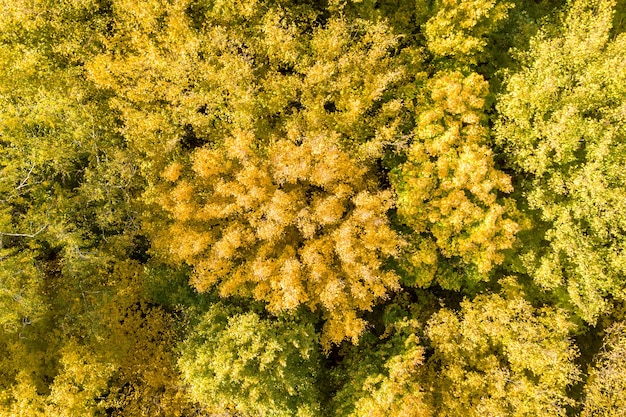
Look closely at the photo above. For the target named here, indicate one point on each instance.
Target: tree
(499, 355)
(203, 202)
(386, 374)
(606, 386)
(261, 142)
(459, 29)
(562, 127)
(82, 380)
(66, 189)
(448, 188)
(139, 338)
(237, 361)
(304, 225)
(20, 290)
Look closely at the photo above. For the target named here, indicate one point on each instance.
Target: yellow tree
(499, 355)
(304, 224)
(459, 29)
(448, 188)
(260, 140)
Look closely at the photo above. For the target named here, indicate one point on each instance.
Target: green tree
(237, 361)
(386, 374)
(561, 124)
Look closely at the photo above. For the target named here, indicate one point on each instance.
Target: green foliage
(66, 175)
(385, 375)
(236, 361)
(562, 125)
(499, 355)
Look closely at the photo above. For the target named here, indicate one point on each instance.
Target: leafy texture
(266, 163)
(501, 356)
(606, 389)
(563, 126)
(459, 29)
(304, 226)
(385, 375)
(236, 361)
(448, 187)
(277, 207)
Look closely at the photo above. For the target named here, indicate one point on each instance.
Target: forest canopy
(292, 208)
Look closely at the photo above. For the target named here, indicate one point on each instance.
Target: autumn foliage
(448, 188)
(300, 223)
(336, 208)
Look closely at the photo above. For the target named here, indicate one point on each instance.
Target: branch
(29, 235)
(25, 180)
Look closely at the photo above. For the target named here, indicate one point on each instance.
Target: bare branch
(29, 235)
(25, 180)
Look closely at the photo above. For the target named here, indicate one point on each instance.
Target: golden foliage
(139, 340)
(459, 28)
(448, 187)
(83, 379)
(305, 224)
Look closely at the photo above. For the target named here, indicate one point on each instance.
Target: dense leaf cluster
(334, 208)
